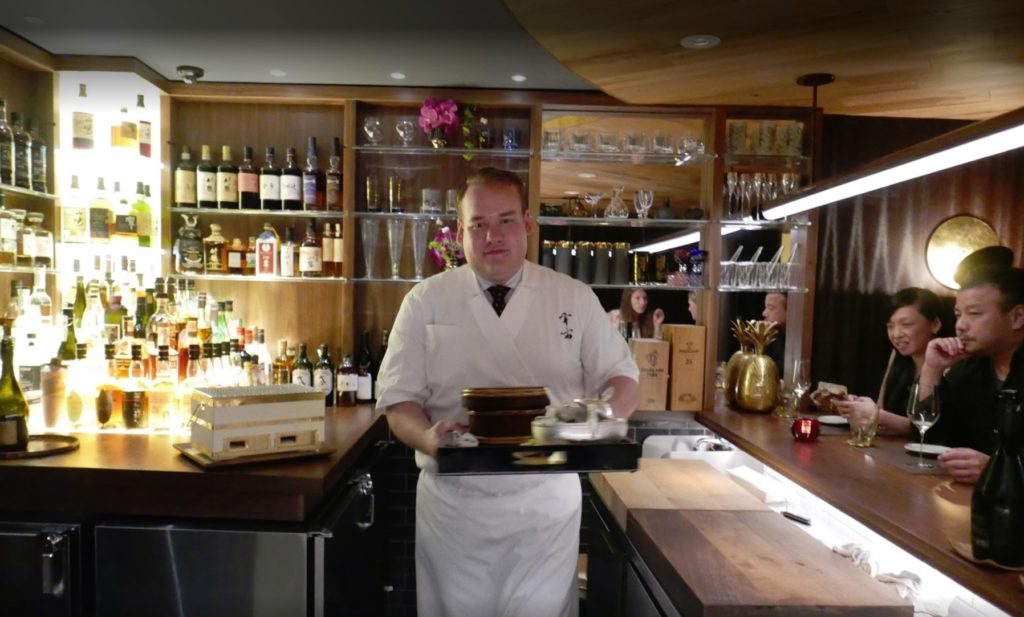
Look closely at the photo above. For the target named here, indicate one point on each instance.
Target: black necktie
(498, 295)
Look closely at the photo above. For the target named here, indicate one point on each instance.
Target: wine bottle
(22, 153)
(206, 180)
(332, 193)
(997, 505)
(287, 260)
(185, 181)
(248, 182)
(270, 183)
(13, 406)
(6, 147)
(82, 125)
(39, 165)
(323, 375)
(227, 181)
(143, 215)
(311, 263)
(347, 382)
(291, 184)
(267, 245)
(366, 371)
(312, 180)
(302, 372)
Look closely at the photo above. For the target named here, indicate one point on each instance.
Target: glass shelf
(780, 161)
(389, 280)
(15, 190)
(787, 290)
(659, 286)
(585, 221)
(259, 279)
(634, 158)
(763, 224)
(13, 269)
(319, 214)
(415, 216)
(520, 153)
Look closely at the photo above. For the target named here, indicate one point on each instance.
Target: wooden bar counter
(920, 513)
(125, 474)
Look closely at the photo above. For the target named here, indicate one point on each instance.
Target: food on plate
(825, 396)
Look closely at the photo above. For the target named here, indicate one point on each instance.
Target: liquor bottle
(110, 395)
(69, 347)
(192, 379)
(13, 308)
(26, 240)
(185, 181)
(134, 406)
(74, 215)
(291, 184)
(347, 382)
(219, 319)
(39, 165)
(81, 388)
(82, 125)
(101, 215)
(188, 248)
(302, 372)
(161, 392)
(282, 370)
(6, 147)
(40, 300)
(267, 245)
(227, 181)
(997, 505)
(206, 365)
(124, 227)
(160, 325)
(332, 194)
(206, 180)
(338, 250)
(80, 300)
(215, 252)
(13, 406)
(188, 336)
(270, 183)
(311, 263)
(384, 336)
(141, 317)
(327, 251)
(248, 182)
(42, 253)
(115, 313)
(249, 263)
(145, 127)
(312, 179)
(323, 375)
(8, 234)
(22, 153)
(204, 329)
(287, 261)
(124, 132)
(367, 372)
(266, 361)
(236, 256)
(143, 215)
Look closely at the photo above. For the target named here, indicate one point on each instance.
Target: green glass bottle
(302, 372)
(13, 406)
(79, 301)
(69, 347)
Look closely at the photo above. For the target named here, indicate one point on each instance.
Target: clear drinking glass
(552, 140)
(406, 131)
(642, 201)
(374, 129)
(592, 200)
(924, 414)
(396, 240)
(370, 230)
(420, 228)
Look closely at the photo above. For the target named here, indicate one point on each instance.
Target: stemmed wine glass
(732, 180)
(592, 200)
(923, 413)
(406, 131)
(800, 378)
(642, 201)
(374, 129)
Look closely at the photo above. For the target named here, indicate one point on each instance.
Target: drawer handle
(53, 565)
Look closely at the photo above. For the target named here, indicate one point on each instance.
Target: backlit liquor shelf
(582, 221)
(242, 278)
(519, 153)
(16, 190)
(318, 214)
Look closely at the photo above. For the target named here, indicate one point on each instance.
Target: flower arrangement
(445, 250)
(439, 116)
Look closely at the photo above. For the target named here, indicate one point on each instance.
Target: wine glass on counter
(924, 413)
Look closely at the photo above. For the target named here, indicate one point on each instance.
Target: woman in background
(914, 320)
(634, 310)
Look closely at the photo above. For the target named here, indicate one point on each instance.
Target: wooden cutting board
(666, 484)
(729, 563)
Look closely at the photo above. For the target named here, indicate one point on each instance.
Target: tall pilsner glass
(396, 240)
(370, 229)
(420, 227)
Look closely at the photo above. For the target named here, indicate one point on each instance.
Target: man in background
(775, 312)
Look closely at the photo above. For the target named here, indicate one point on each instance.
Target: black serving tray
(549, 458)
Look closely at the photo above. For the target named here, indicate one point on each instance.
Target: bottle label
(22, 168)
(44, 247)
(133, 408)
(185, 187)
(7, 163)
(227, 187)
(250, 260)
(364, 388)
(126, 224)
(302, 376)
(348, 382)
(190, 255)
(309, 189)
(310, 259)
(234, 259)
(129, 132)
(266, 257)
(145, 138)
(8, 231)
(323, 380)
(333, 197)
(291, 188)
(270, 187)
(338, 246)
(287, 261)
(248, 182)
(327, 253)
(144, 220)
(206, 185)
(99, 223)
(81, 130)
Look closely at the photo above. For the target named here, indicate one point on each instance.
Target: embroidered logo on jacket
(566, 330)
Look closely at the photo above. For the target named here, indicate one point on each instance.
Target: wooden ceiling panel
(914, 58)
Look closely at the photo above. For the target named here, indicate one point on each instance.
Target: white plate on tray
(833, 420)
(547, 429)
(930, 449)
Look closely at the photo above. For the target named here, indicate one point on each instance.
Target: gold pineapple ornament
(757, 381)
(737, 361)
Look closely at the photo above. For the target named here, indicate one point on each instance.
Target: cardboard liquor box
(686, 366)
(652, 357)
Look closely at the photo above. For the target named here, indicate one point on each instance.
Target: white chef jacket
(497, 545)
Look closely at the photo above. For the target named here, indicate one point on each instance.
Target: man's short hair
(1009, 282)
(492, 176)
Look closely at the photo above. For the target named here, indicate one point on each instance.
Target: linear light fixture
(970, 143)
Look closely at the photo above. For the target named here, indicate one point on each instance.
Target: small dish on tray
(930, 449)
(548, 429)
(833, 420)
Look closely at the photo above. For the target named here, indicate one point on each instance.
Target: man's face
(981, 323)
(775, 309)
(493, 230)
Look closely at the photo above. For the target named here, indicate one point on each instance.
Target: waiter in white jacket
(496, 545)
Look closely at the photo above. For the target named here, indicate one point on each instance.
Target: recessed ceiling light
(278, 72)
(35, 21)
(398, 75)
(700, 41)
(587, 175)
(518, 78)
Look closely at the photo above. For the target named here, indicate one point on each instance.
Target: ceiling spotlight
(32, 19)
(190, 74)
(398, 75)
(278, 72)
(700, 41)
(518, 78)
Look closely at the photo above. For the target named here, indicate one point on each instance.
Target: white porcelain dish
(549, 429)
(930, 449)
(833, 420)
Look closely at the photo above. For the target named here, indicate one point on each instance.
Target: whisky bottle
(366, 372)
(312, 180)
(80, 300)
(143, 214)
(249, 262)
(227, 181)
(110, 395)
(291, 184)
(332, 193)
(39, 165)
(236, 256)
(193, 378)
(215, 252)
(145, 127)
(282, 369)
(101, 215)
(347, 382)
(327, 251)
(6, 147)
(70, 345)
(267, 246)
(82, 123)
(13, 406)
(310, 255)
(161, 391)
(287, 262)
(188, 248)
(22, 153)
(302, 372)
(270, 184)
(206, 180)
(248, 182)
(337, 252)
(134, 406)
(185, 181)
(323, 375)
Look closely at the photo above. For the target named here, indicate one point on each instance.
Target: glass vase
(396, 240)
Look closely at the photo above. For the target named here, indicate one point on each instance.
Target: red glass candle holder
(805, 429)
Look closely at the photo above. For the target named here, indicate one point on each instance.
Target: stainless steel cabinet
(40, 570)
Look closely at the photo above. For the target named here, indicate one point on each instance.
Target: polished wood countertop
(125, 474)
(918, 512)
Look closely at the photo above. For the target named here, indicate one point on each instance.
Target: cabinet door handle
(54, 547)
(364, 485)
